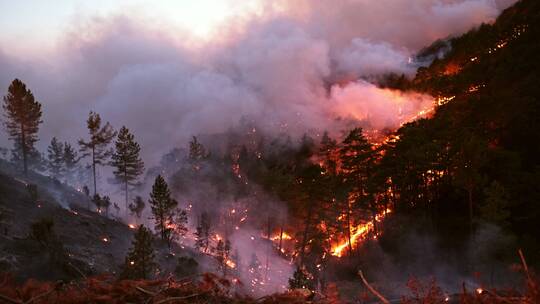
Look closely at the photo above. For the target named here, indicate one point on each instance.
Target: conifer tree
(139, 262)
(197, 153)
(23, 117)
(70, 162)
(97, 146)
(137, 206)
(163, 206)
(202, 234)
(127, 161)
(327, 153)
(356, 158)
(55, 155)
(222, 254)
(180, 220)
(300, 280)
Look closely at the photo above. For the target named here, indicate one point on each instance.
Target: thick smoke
(271, 66)
(279, 68)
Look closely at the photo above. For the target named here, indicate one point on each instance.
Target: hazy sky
(29, 24)
(170, 69)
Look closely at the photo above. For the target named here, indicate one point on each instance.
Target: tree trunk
(305, 234)
(24, 152)
(349, 238)
(471, 215)
(94, 168)
(280, 237)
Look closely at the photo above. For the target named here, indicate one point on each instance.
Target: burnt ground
(80, 232)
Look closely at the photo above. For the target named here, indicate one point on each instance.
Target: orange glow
(359, 234)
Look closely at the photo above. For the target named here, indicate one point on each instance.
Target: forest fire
(358, 234)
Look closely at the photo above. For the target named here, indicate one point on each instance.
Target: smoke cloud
(272, 66)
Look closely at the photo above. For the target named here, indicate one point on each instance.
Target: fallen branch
(372, 290)
(178, 298)
(522, 257)
(44, 294)
(8, 299)
(150, 293)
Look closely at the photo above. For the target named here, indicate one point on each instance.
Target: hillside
(80, 243)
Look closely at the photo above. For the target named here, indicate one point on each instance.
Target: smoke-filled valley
(306, 151)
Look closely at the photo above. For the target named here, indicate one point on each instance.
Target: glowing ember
(230, 263)
(131, 226)
(105, 239)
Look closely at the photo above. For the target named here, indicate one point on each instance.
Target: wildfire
(359, 234)
(230, 263)
(282, 236)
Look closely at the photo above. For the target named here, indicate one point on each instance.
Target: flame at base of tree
(359, 234)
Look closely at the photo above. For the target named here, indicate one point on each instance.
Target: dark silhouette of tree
(202, 233)
(70, 162)
(197, 153)
(97, 146)
(163, 206)
(222, 254)
(300, 280)
(356, 156)
(137, 206)
(139, 262)
(179, 221)
(55, 155)
(127, 161)
(23, 117)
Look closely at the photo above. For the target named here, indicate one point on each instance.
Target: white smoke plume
(271, 66)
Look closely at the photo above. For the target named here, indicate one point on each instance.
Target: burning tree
(139, 262)
(97, 146)
(179, 223)
(202, 234)
(163, 206)
(300, 280)
(356, 156)
(23, 117)
(222, 254)
(127, 161)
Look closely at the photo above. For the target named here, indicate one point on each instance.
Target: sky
(172, 69)
(29, 24)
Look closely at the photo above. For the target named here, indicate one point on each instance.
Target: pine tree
(139, 262)
(202, 234)
(127, 161)
(300, 280)
(70, 162)
(180, 220)
(96, 199)
(222, 254)
(356, 158)
(97, 146)
(106, 204)
(56, 158)
(137, 206)
(327, 153)
(23, 116)
(197, 153)
(162, 208)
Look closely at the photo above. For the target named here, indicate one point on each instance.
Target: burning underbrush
(210, 288)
